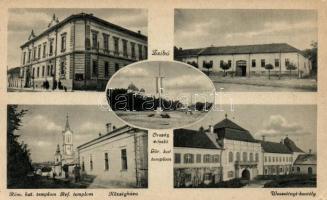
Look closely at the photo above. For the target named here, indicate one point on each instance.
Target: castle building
(119, 157)
(227, 151)
(80, 52)
(247, 60)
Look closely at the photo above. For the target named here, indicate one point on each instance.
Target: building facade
(80, 52)
(247, 60)
(120, 156)
(305, 164)
(227, 151)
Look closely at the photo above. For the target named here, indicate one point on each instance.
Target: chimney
(263, 138)
(139, 32)
(210, 128)
(108, 126)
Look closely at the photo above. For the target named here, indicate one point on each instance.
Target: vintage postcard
(163, 99)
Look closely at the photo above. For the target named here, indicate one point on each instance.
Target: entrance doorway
(246, 174)
(309, 171)
(241, 68)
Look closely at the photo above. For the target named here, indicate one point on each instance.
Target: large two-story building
(80, 52)
(247, 60)
(227, 151)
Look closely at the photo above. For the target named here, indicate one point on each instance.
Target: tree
(311, 54)
(224, 66)
(208, 65)
(269, 67)
(18, 154)
(290, 66)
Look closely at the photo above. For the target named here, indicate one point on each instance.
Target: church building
(247, 60)
(80, 52)
(227, 151)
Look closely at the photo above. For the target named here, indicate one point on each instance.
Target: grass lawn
(295, 181)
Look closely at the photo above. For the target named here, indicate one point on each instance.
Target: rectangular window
(106, 161)
(177, 158)
(62, 68)
(63, 42)
(140, 52)
(29, 56)
(253, 63)
(44, 49)
(123, 159)
(188, 158)
(94, 68)
(265, 158)
(106, 41)
(38, 72)
(263, 62)
(79, 76)
(51, 47)
(94, 40)
(206, 158)
(276, 62)
(39, 52)
(287, 61)
(34, 53)
(43, 68)
(116, 67)
(116, 45)
(133, 50)
(33, 72)
(125, 48)
(106, 69)
(216, 158)
(48, 70)
(24, 55)
(229, 63)
(198, 158)
(145, 52)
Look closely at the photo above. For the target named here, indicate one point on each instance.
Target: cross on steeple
(67, 127)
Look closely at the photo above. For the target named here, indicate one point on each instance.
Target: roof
(193, 139)
(241, 49)
(274, 147)
(188, 52)
(306, 159)
(226, 123)
(291, 145)
(100, 138)
(90, 17)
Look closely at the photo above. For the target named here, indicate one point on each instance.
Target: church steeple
(67, 127)
(58, 149)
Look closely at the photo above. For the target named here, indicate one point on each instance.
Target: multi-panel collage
(234, 104)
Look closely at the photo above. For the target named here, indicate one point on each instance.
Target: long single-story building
(247, 60)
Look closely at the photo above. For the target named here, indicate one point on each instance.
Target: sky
(205, 27)
(42, 126)
(273, 121)
(180, 81)
(22, 21)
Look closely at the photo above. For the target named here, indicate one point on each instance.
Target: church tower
(57, 155)
(67, 143)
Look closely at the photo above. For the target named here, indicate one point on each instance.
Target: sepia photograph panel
(65, 146)
(249, 146)
(160, 94)
(52, 49)
(250, 50)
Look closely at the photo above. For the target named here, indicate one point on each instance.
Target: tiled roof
(193, 139)
(306, 159)
(188, 52)
(291, 145)
(246, 49)
(90, 17)
(232, 131)
(274, 147)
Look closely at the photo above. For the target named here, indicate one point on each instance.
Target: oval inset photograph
(160, 94)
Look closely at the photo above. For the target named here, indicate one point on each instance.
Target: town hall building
(247, 60)
(227, 151)
(80, 52)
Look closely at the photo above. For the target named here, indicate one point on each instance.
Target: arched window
(310, 170)
(238, 156)
(298, 169)
(245, 156)
(230, 156)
